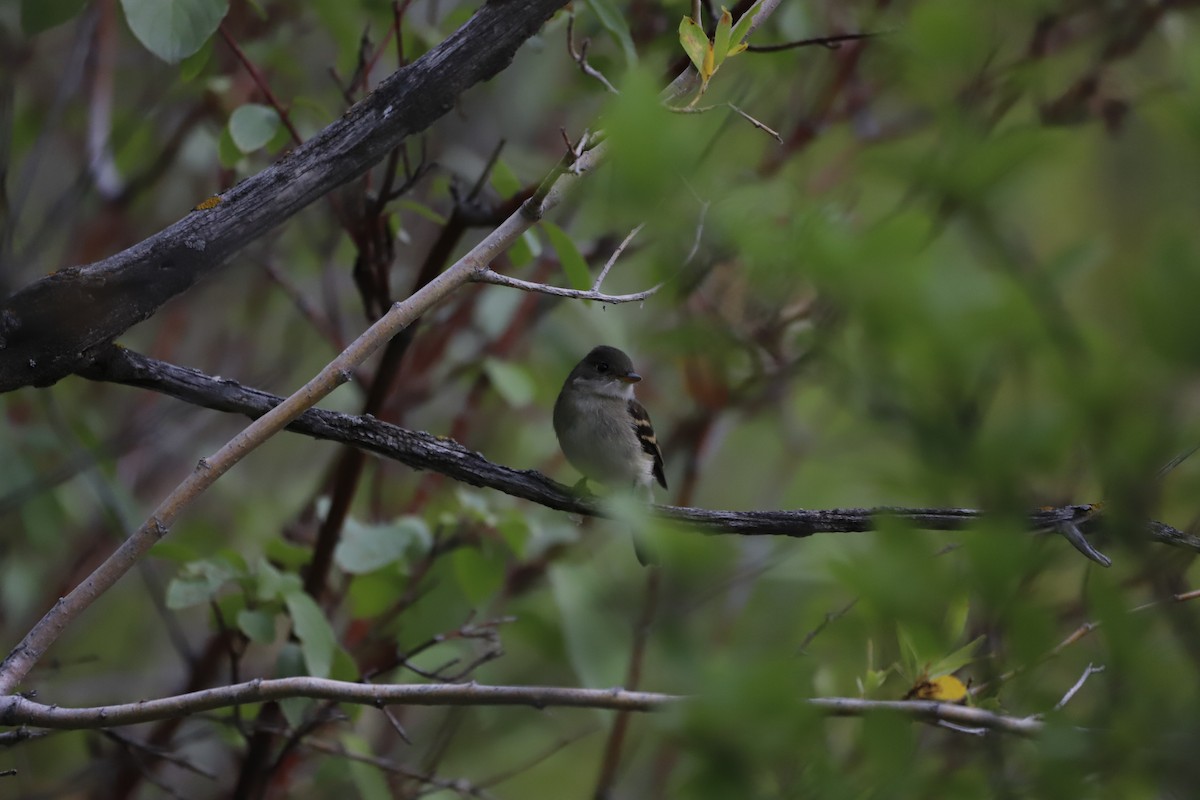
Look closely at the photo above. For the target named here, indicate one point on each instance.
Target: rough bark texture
(50, 328)
(421, 450)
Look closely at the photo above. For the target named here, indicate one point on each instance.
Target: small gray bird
(604, 432)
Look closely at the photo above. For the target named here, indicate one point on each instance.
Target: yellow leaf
(695, 43)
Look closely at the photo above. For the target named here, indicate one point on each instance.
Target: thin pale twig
(395, 723)
(1088, 672)
(701, 109)
(495, 278)
(1175, 462)
(159, 753)
(616, 254)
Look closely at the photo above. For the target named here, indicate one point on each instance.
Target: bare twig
(158, 753)
(1088, 672)
(322, 324)
(580, 56)
(1076, 635)
(830, 42)
(616, 254)
(17, 710)
(488, 276)
(22, 735)
(701, 109)
(1176, 461)
(830, 617)
(395, 723)
(703, 216)
(261, 82)
(930, 711)
(457, 785)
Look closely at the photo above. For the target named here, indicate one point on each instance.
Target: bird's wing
(645, 434)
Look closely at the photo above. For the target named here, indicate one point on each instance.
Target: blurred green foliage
(968, 278)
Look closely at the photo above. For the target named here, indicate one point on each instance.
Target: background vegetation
(965, 275)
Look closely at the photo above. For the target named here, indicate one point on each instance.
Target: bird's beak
(630, 377)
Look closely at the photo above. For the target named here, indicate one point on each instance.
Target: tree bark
(53, 326)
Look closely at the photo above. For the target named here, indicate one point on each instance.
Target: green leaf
(174, 29)
(287, 554)
(475, 506)
(742, 29)
(366, 548)
(375, 592)
(512, 381)
(479, 577)
(515, 531)
(594, 647)
(722, 37)
(525, 249)
(253, 125)
(41, 15)
(227, 152)
(695, 42)
(259, 625)
(316, 637)
(872, 681)
(344, 668)
(568, 255)
(271, 584)
(956, 660)
(912, 661)
(614, 22)
(422, 210)
(171, 549)
(185, 592)
(290, 664)
(504, 180)
(192, 66)
(957, 613)
(198, 582)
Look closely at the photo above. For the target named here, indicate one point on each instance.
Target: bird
(603, 430)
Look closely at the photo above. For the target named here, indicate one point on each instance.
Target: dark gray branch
(421, 450)
(48, 328)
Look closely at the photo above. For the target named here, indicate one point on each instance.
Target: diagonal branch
(423, 451)
(27, 653)
(49, 328)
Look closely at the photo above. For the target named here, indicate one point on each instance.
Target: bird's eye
(602, 367)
